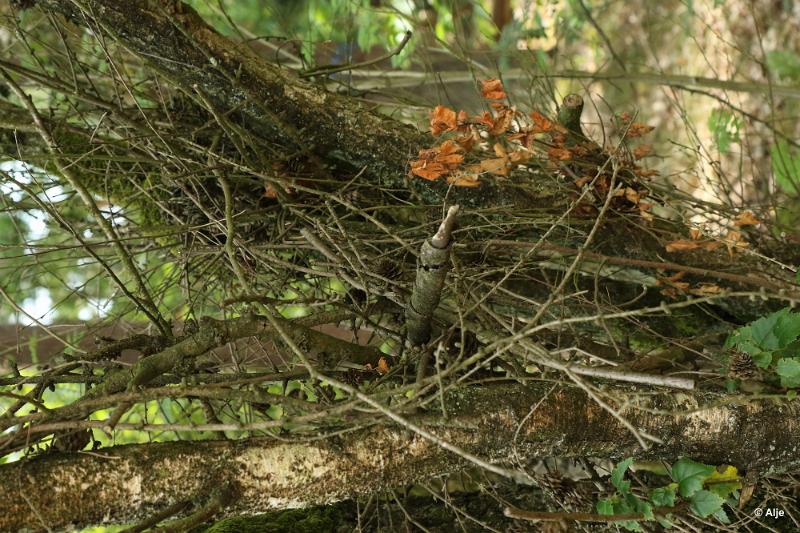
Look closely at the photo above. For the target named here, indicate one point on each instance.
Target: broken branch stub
(432, 267)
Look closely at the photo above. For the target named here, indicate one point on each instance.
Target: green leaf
(722, 516)
(789, 371)
(764, 331)
(787, 327)
(785, 64)
(605, 506)
(619, 473)
(786, 167)
(665, 521)
(724, 127)
(705, 503)
(664, 496)
(630, 525)
(690, 476)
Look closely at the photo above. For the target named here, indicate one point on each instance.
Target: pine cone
(741, 366)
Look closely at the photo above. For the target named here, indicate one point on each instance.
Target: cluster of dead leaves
(491, 140)
(733, 240)
(496, 142)
(674, 286)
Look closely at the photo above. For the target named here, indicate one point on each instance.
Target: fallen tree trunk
(505, 424)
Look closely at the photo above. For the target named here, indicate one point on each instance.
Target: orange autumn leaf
(734, 241)
(428, 169)
(467, 141)
(644, 173)
(492, 89)
(269, 191)
(383, 366)
(449, 154)
(632, 195)
(706, 289)
(682, 245)
(443, 119)
(519, 156)
(502, 122)
(542, 124)
(638, 129)
(464, 180)
(559, 154)
(644, 211)
(643, 150)
(438, 161)
(746, 218)
(495, 166)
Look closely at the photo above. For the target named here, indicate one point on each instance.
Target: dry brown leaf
(746, 218)
(734, 241)
(682, 245)
(502, 122)
(559, 154)
(644, 211)
(632, 195)
(676, 276)
(495, 166)
(492, 89)
(428, 170)
(542, 124)
(644, 173)
(269, 191)
(464, 180)
(706, 289)
(519, 156)
(643, 150)
(638, 129)
(443, 119)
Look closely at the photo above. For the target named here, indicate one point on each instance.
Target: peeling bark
(125, 483)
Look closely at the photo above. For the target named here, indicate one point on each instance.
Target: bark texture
(503, 424)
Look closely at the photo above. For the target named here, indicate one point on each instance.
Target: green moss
(311, 520)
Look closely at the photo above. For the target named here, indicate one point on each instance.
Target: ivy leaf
(690, 476)
(619, 473)
(705, 503)
(664, 496)
(789, 371)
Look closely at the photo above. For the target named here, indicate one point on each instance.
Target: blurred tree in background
(393, 265)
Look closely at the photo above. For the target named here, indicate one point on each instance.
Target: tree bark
(174, 40)
(505, 424)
